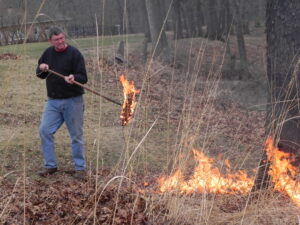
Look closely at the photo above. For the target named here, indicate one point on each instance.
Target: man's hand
(44, 67)
(70, 79)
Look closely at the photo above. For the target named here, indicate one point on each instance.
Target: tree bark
(259, 9)
(129, 8)
(158, 35)
(240, 36)
(199, 18)
(228, 17)
(212, 20)
(146, 22)
(283, 59)
(121, 16)
(245, 15)
(190, 17)
(177, 18)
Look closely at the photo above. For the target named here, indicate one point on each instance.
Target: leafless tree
(283, 64)
(239, 25)
(156, 23)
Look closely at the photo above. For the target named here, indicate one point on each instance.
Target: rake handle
(86, 88)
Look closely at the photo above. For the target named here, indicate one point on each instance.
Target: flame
(206, 178)
(211, 180)
(283, 172)
(129, 103)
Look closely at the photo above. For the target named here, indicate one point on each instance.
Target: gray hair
(54, 31)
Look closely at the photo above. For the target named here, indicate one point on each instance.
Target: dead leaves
(8, 56)
(69, 202)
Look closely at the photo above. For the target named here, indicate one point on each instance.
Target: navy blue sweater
(70, 61)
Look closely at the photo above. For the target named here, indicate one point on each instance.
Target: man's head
(57, 39)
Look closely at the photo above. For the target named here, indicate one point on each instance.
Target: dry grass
(270, 208)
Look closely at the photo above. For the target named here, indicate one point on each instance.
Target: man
(65, 101)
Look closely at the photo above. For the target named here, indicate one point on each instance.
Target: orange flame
(283, 172)
(129, 103)
(207, 179)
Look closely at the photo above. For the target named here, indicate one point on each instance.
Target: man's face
(58, 41)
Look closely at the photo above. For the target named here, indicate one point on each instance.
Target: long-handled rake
(87, 88)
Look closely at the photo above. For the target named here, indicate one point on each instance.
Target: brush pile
(8, 56)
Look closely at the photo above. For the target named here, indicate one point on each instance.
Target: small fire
(206, 178)
(129, 100)
(282, 171)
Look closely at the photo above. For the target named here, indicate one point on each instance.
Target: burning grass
(283, 172)
(206, 178)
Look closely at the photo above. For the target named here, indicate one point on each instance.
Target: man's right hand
(44, 67)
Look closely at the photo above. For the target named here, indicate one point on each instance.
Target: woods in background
(187, 18)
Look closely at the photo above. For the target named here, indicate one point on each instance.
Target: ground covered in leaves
(66, 201)
(63, 200)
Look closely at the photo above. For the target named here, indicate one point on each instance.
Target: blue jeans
(56, 112)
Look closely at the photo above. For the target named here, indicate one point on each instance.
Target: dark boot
(47, 171)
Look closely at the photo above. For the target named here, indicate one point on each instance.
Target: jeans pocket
(78, 99)
(78, 103)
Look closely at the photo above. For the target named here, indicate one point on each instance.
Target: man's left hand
(70, 79)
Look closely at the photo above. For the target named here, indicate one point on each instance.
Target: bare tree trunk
(147, 33)
(257, 19)
(260, 10)
(190, 19)
(129, 18)
(211, 19)
(240, 36)
(283, 64)
(228, 17)
(177, 18)
(121, 16)
(164, 5)
(213, 30)
(158, 35)
(146, 22)
(199, 18)
(186, 22)
(245, 16)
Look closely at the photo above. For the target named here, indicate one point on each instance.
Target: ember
(129, 100)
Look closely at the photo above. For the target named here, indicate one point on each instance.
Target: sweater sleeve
(40, 73)
(80, 74)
